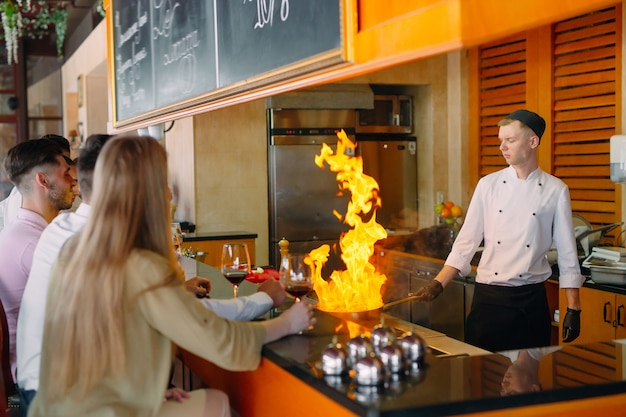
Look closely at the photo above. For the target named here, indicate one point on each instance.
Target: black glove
(429, 291)
(571, 325)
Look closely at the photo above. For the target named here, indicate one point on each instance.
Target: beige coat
(159, 317)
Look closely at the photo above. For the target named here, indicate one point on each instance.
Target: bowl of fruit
(448, 212)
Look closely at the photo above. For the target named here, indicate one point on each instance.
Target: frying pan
(372, 316)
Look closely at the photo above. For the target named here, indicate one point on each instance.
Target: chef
(518, 213)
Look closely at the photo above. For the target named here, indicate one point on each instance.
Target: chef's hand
(429, 291)
(199, 286)
(571, 325)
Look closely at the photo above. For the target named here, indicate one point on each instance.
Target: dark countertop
(601, 287)
(435, 264)
(236, 234)
(606, 287)
(446, 384)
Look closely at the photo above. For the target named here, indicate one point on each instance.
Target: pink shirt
(17, 245)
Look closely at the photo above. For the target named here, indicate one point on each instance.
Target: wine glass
(298, 281)
(235, 263)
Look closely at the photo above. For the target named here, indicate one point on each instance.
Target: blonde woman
(115, 304)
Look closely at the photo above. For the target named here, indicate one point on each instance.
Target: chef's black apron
(509, 318)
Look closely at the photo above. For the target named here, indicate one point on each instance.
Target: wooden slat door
(502, 89)
(575, 366)
(584, 89)
(584, 61)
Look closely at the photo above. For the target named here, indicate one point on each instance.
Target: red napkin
(257, 278)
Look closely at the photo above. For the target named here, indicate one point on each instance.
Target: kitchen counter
(402, 258)
(236, 234)
(211, 244)
(456, 379)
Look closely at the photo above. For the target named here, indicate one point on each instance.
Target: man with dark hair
(40, 173)
(31, 318)
(11, 205)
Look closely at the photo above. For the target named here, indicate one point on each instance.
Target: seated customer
(41, 174)
(31, 319)
(108, 336)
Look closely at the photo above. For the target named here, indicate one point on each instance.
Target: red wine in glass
(235, 264)
(235, 277)
(298, 290)
(298, 281)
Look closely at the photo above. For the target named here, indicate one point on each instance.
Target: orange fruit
(449, 204)
(456, 211)
(446, 213)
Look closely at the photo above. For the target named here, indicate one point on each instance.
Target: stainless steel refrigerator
(392, 162)
(302, 196)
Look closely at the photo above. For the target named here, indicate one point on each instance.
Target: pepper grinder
(283, 269)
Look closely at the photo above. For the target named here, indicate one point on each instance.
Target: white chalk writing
(265, 11)
(180, 51)
(127, 69)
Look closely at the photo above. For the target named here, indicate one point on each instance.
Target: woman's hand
(176, 394)
(299, 316)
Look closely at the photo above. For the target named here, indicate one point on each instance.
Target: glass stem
(235, 291)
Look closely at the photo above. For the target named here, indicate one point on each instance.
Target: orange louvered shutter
(585, 63)
(584, 117)
(502, 89)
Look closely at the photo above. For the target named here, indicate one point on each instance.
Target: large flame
(358, 288)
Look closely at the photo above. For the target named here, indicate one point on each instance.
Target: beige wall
(230, 150)
(179, 144)
(88, 61)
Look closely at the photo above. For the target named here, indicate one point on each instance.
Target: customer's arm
(297, 318)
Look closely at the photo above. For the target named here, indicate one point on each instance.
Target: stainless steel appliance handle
(295, 140)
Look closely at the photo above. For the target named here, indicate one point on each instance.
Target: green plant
(12, 26)
(34, 20)
(100, 8)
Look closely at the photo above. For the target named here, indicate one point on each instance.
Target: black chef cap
(530, 119)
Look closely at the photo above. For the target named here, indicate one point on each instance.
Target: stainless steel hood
(330, 96)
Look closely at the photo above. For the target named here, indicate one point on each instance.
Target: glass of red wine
(235, 263)
(298, 281)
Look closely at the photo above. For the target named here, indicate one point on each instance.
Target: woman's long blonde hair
(130, 209)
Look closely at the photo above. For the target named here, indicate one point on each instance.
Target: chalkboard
(164, 52)
(256, 36)
(169, 53)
